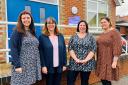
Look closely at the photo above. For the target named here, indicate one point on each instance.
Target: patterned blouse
(81, 47)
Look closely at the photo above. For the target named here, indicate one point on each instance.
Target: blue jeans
(72, 75)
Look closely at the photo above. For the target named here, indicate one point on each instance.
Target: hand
(77, 60)
(44, 70)
(19, 70)
(64, 68)
(83, 61)
(114, 64)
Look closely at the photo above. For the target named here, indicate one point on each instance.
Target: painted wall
(14, 7)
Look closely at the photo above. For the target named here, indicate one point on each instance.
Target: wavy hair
(20, 27)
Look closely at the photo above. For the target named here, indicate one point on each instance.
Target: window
(102, 11)
(95, 10)
(28, 8)
(42, 15)
(92, 17)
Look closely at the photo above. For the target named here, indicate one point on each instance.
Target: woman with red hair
(24, 51)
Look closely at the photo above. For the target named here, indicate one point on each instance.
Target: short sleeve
(93, 45)
(70, 44)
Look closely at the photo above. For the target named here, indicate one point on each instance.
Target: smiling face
(82, 27)
(26, 20)
(105, 24)
(50, 25)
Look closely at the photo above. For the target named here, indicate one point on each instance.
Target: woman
(24, 51)
(82, 47)
(109, 49)
(53, 52)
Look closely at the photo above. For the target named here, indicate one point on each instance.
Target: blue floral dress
(81, 47)
(30, 62)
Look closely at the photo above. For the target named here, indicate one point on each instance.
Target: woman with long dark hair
(26, 68)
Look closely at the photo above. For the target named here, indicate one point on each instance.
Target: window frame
(96, 11)
(47, 2)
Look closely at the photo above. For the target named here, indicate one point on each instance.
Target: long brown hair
(45, 29)
(20, 27)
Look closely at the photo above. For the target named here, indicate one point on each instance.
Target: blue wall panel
(14, 7)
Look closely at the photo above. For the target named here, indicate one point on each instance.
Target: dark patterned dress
(30, 62)
(81, 47)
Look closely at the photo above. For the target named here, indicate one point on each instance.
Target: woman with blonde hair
(108, 51)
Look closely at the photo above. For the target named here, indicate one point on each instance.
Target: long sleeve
(41, 51)
(117, 48)
(65, 55)
(15, 50)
